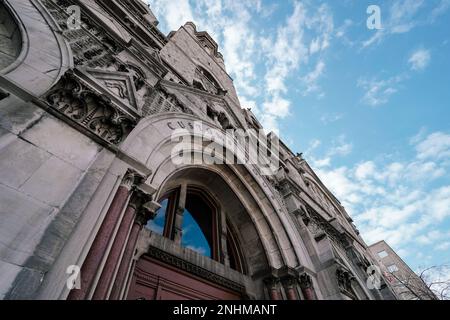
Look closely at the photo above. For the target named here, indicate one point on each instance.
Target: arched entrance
(215, 247)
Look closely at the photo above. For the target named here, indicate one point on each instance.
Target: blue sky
(368, 108)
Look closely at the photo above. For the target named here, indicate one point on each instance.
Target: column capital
(289, 281)
(272, 281)
(138, 199)
(131, 179)
(305, 281)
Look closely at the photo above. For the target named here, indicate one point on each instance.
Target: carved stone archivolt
(90, 109)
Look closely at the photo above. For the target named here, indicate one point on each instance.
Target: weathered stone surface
(19, 160)
(8, 273)
(53, 182)
(17, 115)
(23, 221)
(62, 141)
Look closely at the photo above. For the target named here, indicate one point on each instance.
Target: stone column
(307, 287)
(145, 213)
(104, 283)
(100, 245)
(289, 284)
(272, 287)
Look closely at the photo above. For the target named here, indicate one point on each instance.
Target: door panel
(154, 280)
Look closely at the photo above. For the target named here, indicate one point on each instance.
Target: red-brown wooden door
(153, 280)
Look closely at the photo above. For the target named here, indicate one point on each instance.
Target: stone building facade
(87, 181)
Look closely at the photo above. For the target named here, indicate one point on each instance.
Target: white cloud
(330, 118)
(435, 146)
(444, 246)
(394, 201)
(405, 15)
(306, 32)
(419, 59)
(440, 10)
(176, 13)
(365, 170)
(340, 147)
(378, 92)
(310, 80)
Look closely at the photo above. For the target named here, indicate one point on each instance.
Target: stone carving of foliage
(93, 111)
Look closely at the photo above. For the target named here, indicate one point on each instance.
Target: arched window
(203, 80)
(199, 231)
(199, 218)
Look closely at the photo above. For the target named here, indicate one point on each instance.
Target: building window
(199, 227)
(157, 225)
(193, 236)
(392, 268)
(162, 224)
(199, 230)
(382, 254)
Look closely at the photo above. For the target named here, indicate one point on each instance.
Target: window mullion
(178, 221)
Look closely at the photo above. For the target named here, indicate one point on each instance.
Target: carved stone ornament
(90, 109)
(193, 269)
(305, 281)
(131, 179)
(303, 214)
(345, 278)
(160, 100)
(289, 282)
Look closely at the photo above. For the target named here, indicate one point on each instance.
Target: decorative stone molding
(345, 278)
(203, 80)
(149, 209)
(320, 227)
(193, 269)
(139, 16)
(91, 45)
(90, 109)
(303, 214)
(160, 101)
(3, 94)
(205, 41)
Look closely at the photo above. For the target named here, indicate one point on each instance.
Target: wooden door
(153, 280)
